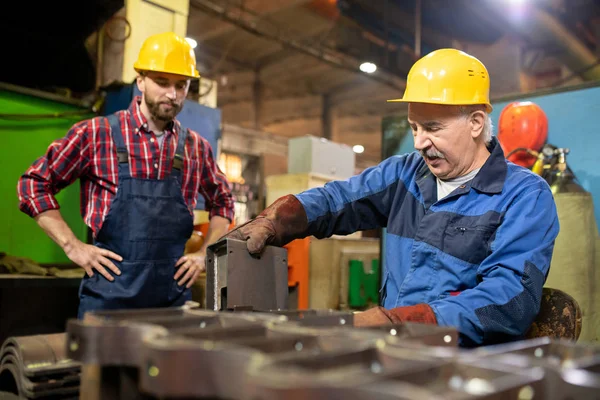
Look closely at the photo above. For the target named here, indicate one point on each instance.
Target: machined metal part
(546, 350)
(289, 378)
(37, 366)
(236, 278)
(420, 335)
(572, 370)
(120, 333)
(383, 373)
(222, 358)
(245, 352)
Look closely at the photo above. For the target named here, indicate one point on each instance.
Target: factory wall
(573, 120)
(23, 141)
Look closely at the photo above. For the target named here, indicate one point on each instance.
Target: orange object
(522, 125)
(298, 253)
(203, 228)
(194, 243)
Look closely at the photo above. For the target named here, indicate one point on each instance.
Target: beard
(160, 113)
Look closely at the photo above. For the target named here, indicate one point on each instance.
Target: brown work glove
(279, 224)
(419, 313)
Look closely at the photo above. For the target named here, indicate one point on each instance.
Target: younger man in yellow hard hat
(140, 173)
(469, 235)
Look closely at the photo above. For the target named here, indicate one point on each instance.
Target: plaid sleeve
(65, 160)
(214, 186)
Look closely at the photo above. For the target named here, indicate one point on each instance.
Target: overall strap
(117, 135)
(179, 152)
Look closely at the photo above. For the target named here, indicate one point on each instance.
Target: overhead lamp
(358, 149)
(368, 67)
(192, 42)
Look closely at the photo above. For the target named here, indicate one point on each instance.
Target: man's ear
(477, 122)
(141, 84)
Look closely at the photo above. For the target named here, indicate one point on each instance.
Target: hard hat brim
(140, 70)
(488, 107)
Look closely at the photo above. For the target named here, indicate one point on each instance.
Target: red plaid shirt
(89, 153)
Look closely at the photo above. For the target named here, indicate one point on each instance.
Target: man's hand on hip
(92, 258)
(189, 268)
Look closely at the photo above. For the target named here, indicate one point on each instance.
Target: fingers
(194, 278)
(183, 268)
(190, 272)
(103, 271)
(108, 264)
(256, 243)
(108, 253)
(236, 234)
(181, 261)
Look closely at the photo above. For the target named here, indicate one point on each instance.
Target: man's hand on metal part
(279, 224)
(189, 268)
(92, 258)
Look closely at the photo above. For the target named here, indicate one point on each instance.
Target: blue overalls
(148, 225)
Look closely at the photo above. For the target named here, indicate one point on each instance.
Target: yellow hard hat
(448, 76)
(167, 52)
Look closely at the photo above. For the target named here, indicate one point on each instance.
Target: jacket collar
(490, 178)
(492, 175)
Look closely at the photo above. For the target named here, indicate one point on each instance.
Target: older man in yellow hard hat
(469, 235)
(140, 172)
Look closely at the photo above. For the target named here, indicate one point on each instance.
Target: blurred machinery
(248, 345)
(523, 135)
(248, 353)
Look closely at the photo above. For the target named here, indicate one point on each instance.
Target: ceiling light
(368, 67)
(192, 42)
(358, 149)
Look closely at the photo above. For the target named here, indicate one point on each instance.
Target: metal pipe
(418, 28)
(100, 57)
(540, 27)
(575, 54)
(386, 27)
(324, 54)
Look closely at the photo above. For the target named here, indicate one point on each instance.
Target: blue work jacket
(479, 257)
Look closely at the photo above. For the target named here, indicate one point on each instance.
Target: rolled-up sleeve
(65, 160)
(214, 186)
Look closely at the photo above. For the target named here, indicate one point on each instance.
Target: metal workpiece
(280, 378)
(418, 335)
(546, 349)
(571, 370)
(377, 373)
(115, 337)
(174, 364)
(236, 278)
(37, 367)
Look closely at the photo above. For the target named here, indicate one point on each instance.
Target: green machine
(29, 122)
(363, 286)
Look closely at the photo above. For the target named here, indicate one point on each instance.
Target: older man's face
(444, 137)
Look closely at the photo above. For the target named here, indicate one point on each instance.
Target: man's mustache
(432, 153)
(170, 103)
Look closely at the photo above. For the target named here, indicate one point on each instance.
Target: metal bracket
(235, 278)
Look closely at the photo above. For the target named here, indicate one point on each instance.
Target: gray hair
(488, 126)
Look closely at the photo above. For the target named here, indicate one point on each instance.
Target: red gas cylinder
(522, 124)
